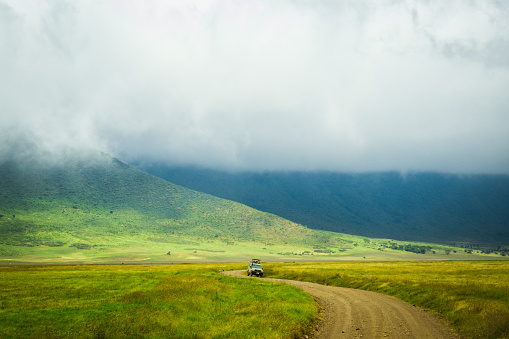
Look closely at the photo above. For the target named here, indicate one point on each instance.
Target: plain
(186, 301)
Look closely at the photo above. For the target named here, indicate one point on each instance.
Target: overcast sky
(261, 85)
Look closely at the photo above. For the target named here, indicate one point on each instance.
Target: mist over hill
(432, 207)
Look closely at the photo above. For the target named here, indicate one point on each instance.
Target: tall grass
(472, 295)
(173, 301)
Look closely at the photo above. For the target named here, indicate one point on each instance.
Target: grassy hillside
(101, 204)
(127, 202)
(100, 209)
(429, 207)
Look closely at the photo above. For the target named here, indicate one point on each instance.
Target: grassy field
(153, 301)
(472, 295)
(193, 301)
(146, 246)
(181, 249)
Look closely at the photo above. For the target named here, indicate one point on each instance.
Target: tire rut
(351, 313)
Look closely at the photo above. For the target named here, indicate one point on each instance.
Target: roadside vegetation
(472, 295)
(152, 301)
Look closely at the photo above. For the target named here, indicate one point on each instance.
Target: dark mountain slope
(418, 206)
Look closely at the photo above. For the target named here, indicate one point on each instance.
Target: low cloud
(291, 85)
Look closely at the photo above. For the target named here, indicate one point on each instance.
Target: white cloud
(348, 86)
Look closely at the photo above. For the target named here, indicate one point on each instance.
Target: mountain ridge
(427, 206)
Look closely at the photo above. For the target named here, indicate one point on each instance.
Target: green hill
(101, 204)
(99, 209)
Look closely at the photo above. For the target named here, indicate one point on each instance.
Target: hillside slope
(430, 207)
(101, 204)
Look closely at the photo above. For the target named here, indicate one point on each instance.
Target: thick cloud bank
(261, 85)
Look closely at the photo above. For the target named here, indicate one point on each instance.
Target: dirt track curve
(350, 313)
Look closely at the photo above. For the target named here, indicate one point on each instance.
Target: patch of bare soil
(351, 313)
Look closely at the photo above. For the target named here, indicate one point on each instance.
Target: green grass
(186, 301)
(156, 301)
(472, 295)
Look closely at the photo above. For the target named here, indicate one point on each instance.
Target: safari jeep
(255, 268)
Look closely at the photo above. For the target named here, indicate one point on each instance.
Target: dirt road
(350, 313)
